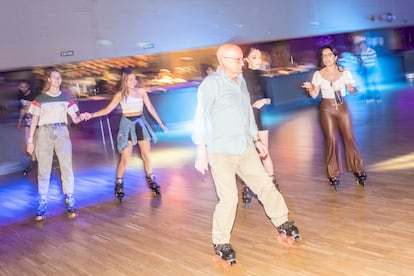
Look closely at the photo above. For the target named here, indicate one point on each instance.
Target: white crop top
(132, 105)
(327, 89)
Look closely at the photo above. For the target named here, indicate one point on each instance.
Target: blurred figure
(349, 61)
(209, 70)
(25, 97)
(332, 82)
(49, 134)
(370, 72)
(133, 129)
(265, 64)
(256, 86)
(206, 69)
(227, 139)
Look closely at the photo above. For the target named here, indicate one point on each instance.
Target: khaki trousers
(224, 168)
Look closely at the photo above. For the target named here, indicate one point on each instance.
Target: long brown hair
(124, 87)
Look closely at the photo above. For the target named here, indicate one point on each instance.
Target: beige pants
(224, 168)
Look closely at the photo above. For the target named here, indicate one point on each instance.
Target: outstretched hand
(85, 116)
(307, 85)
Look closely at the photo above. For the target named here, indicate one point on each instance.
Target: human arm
(151, 110)
(260, 103)
(313, 88)
(201, 161)
(30, 142)
(77, 118)
(205, 97)
(19, 121)
(349, 82)
(260, 147)
(106, 110)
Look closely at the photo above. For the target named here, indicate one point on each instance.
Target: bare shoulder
(141, 92)
(117, 96)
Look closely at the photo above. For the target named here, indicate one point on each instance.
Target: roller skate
(225, 253)
(335, 182)
(41, 210)
(30, 167)
(119, 189)
(246, 196)
(288, 232)
(70, 207)
(27, 170)
(361, 178)
(155, 188)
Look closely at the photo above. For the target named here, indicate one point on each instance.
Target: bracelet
(258, 140)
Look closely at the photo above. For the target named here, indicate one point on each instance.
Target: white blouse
(328, 88)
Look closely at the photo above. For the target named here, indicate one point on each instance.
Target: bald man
(227, 139)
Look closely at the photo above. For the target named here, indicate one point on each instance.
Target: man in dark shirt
(25, 97)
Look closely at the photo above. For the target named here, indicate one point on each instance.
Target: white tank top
(132, 105)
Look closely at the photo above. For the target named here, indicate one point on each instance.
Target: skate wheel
(290, 240)
(120, 197)
(229, 263)
(361, 183)
(72, 215)
(39, 218)
(233, 262)
(216, 258)
(298, 237)
(280, 238)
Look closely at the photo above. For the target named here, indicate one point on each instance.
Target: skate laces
(288, 227)
(151, 180)
(224, 248)
(70, 202)
(42, 204)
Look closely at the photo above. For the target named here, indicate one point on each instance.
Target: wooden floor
(351, 232)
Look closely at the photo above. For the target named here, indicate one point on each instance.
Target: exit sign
(67, 53)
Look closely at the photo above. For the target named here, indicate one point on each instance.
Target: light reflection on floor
(95, 171)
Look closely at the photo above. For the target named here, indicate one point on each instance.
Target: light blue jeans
(224, 168)
(49, 139)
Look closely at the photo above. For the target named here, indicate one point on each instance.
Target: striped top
(369, 57)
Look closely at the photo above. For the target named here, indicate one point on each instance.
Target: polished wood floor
(351, 232)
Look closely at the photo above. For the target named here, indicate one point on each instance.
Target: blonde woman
(49, 112)
(133, 129)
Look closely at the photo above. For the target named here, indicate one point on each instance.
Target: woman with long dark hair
(332, 82)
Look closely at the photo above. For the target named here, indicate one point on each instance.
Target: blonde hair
(47, 80)
(124, 87)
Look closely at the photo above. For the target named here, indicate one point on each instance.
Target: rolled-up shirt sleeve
(205, 98)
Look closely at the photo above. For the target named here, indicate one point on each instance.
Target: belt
(54, 125)
(332, 101)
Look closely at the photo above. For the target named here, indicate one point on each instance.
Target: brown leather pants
(335, 121)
